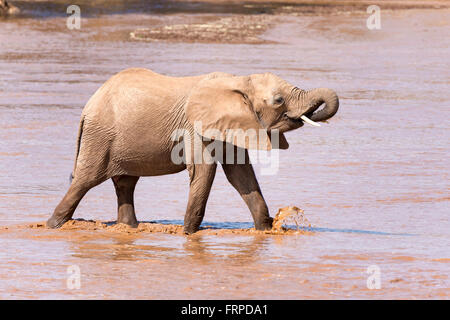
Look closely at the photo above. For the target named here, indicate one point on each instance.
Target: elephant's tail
(80, 133)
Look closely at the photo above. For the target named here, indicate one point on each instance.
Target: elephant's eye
(278, 100)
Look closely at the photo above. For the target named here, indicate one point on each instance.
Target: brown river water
(373, 183)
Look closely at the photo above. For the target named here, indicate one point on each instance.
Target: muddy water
(373, 184)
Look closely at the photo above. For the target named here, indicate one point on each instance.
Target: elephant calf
(127, 131)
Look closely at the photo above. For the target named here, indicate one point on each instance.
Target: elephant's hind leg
(65, 209)
(125, 199)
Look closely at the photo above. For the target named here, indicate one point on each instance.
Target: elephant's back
(135, 89)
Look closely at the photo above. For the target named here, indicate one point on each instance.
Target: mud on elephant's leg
(243, 179)
(125, 199)
(201, 179)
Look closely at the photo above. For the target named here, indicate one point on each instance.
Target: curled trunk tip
(320, 96)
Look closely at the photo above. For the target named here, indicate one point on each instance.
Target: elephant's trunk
(309, 101)
(320, 96)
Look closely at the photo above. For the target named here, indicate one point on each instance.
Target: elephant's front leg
(243, 179)
(201, 179)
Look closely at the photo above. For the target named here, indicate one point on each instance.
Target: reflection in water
(317, 229)
(245, 249)
(196, 248)
(120, 247)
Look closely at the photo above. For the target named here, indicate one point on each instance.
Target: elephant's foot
(127, 216)
(56, 221)
(191, 227)
(132, 223)
(190, 230)
(265, 224)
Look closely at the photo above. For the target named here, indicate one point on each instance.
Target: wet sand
(235, 29)
(373, 183)
(281, 226)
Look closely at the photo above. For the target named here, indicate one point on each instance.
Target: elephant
(7, 9)
(126, 131)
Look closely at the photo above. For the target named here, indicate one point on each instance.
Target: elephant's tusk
(307, 120)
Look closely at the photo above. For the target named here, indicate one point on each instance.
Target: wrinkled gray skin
(7, 9)
(126, 127)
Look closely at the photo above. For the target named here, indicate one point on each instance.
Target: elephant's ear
(221, 109)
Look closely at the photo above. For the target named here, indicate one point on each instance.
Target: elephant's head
(260, 102)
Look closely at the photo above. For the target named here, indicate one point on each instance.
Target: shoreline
(45, 9)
